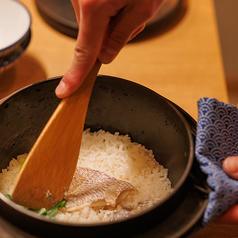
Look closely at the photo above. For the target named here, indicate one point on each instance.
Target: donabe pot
(115, 105)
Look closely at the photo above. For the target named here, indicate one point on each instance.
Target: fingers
(88, 45)
(137, 31)
(75, 4)
(126, 25)
(104, 28)
(108, 53)
(230, 166)
(231, 216)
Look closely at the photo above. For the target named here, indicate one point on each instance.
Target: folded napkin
(216, 139)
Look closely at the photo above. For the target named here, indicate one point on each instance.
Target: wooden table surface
(181, 61)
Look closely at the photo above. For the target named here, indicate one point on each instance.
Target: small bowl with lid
(15, 23)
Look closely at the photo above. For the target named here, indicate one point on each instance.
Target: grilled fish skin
(95, 189)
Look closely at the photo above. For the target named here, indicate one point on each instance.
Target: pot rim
(178, 185)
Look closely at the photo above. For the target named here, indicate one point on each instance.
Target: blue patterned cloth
(216, 139)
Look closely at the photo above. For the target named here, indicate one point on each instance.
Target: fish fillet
(95, 189)
(122, 214)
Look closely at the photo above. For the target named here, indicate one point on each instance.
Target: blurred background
(227, 18)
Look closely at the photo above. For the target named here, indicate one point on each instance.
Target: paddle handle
(80, 103)
(51, 163)
(86, 87)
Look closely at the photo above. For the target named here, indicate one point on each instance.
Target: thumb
(230, 166)
(92, 28)
(74, 77)
(231, 216)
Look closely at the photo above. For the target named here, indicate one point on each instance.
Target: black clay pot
(115, 105)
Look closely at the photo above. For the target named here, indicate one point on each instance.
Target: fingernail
(230, 164)
(60, 89)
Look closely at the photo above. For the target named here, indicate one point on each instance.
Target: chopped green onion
(53, 211)
(49, 213)
(42, 211)
(8, 196)
(22, 164)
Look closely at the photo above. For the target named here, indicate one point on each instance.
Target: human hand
(230, 166)
(105, 26)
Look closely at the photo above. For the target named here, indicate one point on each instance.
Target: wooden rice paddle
(50, 165)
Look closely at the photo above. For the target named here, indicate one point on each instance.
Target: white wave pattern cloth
(216, 139)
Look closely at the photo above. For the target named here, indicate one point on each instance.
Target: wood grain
(49, 167)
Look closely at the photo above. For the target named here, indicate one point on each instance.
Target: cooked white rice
(9, 175)
(116, 156)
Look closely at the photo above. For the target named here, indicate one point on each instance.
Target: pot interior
(115, 105)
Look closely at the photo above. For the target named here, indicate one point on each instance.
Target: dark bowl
(115, 105)
(15, 31)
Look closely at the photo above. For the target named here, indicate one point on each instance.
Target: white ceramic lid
(15, 22)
